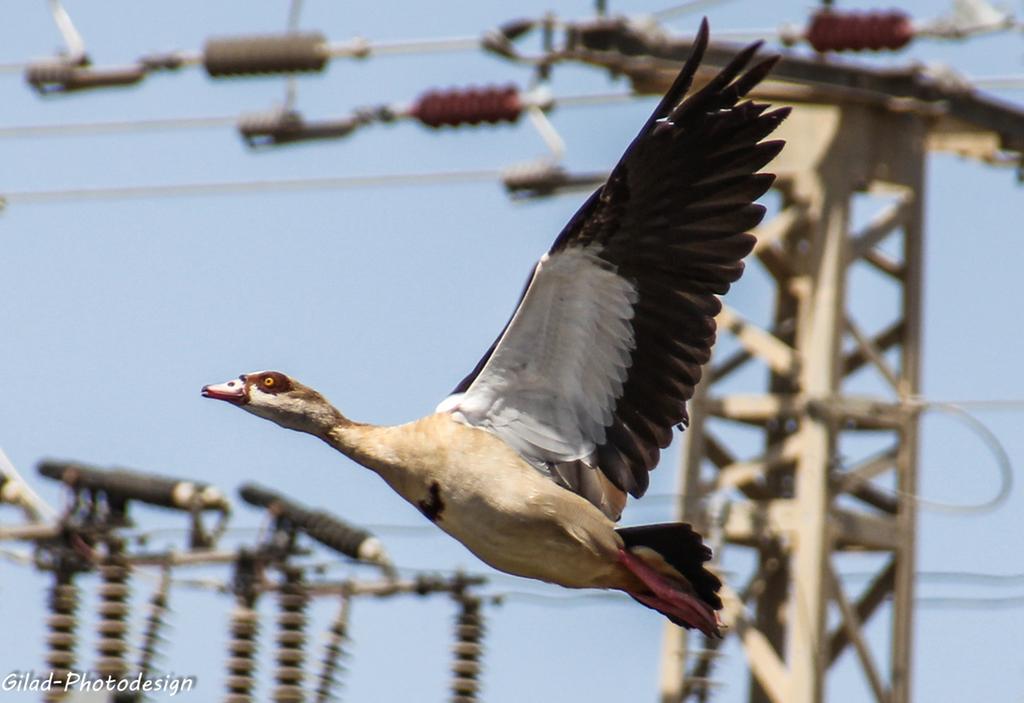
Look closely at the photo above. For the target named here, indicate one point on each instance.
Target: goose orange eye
(269, 381)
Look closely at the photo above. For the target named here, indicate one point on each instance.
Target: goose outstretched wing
(594, 368)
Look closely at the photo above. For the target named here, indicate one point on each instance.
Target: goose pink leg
(668, 599)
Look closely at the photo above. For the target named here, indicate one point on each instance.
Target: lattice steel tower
(810, 493)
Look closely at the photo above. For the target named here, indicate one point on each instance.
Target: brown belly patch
(432, 506)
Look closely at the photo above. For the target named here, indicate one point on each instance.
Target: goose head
(275, 396)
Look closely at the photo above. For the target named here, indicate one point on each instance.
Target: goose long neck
(369, 445)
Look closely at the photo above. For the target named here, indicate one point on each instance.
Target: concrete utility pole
(809, 494)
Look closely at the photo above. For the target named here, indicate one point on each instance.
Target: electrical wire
(982, 404)
(594, 99)
(583, 598)
(590, 599)
(175, 123)
(970, 602)
(576, 599)
(1007, 82)
(219, 188)
(294, 13)
(13, 67)
(16, 557)
(352, 48)
(962, 577)
(974, 578)
(994, 445)
(361, 48)
(291, 82)
(115, 126)
(789, 34)
(684, 8)
(587, 598)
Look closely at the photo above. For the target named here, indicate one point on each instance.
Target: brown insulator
(859, 31)
(155, 621)
(242, 645)
(468, 650)
(61, 625)
(334, 654)
(291, 638)
(112, 615)
(458, 106)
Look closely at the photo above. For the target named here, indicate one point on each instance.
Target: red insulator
(859, 31)
(458, 106)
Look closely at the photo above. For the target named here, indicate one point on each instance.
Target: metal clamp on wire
(612, 34)
(72, 70)
(169, 61)
(328, 530)
(119, 486)
(540, 179)
(500, 40)
(277, 127)
(61, 76)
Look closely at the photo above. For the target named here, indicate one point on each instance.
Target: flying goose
(529, 461)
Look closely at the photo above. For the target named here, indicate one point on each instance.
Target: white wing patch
(550, 387)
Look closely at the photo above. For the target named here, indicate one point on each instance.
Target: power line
(970, 603)
(220, 188)
(71, 71)
(954, 577)
(995, 447)
(13, 67)
(684, 8)
(362, 48)
(1008, 82)
(1011, 404)
(586, 599)
(115, 126)
(976, 578)
(175, 123)
(597, 598)
(356, 48)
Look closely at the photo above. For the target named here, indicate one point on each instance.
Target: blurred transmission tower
(797, 505)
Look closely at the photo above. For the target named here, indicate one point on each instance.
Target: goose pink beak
(231, 391)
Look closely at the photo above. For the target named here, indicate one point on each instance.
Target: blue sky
(116, 312)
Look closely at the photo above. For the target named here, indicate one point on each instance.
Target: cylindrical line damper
(303, 52)
(330, 531)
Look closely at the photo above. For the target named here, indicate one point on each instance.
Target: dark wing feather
(673, 221)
